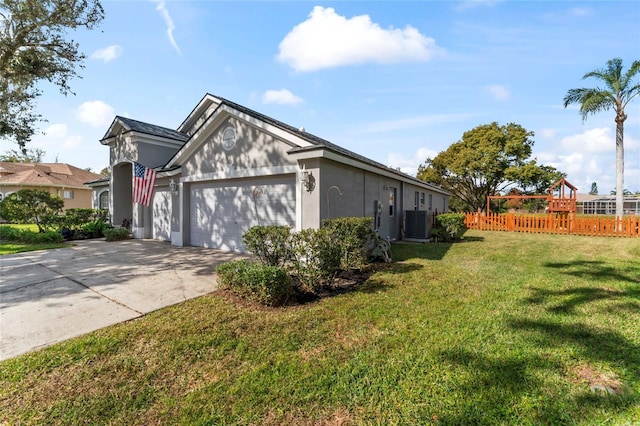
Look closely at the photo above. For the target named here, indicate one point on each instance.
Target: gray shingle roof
(152, 129)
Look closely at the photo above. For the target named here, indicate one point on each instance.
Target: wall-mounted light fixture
(173, 186)
(307, 179)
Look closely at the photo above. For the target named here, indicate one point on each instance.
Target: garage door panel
(221, 212)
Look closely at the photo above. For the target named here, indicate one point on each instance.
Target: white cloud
(58, 135)
(161, 7)
(498, 91)
(598, 140)
(107, 54)
(410, 165)
(327, 40)
(282, 97)
(95, 113)
(548, 133)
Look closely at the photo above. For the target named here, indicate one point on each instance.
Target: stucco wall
(82, 197)
(253, 149)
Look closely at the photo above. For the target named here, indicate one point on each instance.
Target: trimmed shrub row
(312, 257)
(266, 284)
(9, 233)
(450, 226)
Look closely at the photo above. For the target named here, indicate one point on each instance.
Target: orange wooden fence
(596, 226)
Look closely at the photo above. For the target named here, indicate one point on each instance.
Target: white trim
(242, 173)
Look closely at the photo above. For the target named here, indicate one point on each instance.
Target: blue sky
(395, 81)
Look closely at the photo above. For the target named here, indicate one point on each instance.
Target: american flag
(144, 178)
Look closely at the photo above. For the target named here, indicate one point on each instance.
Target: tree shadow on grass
(575, 297)
(596, 270)
(492, 387)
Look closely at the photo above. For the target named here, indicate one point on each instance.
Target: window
(1, 196)
(422, 199)
(103, 202)
(229, 138)
(417, 200)
(430, 201)
(67, 195)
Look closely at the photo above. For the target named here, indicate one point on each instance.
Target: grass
(502, 328)
(13, 247)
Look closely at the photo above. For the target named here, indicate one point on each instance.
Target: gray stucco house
(227, 168)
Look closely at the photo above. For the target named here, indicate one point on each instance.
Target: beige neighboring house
(62, 179)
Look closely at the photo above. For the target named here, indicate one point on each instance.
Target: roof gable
(123, 124)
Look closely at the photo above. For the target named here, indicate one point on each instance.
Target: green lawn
(13, 247)
(503, 328)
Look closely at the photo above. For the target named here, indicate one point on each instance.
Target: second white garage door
(221, 212)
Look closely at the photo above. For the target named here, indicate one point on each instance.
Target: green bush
(116, 234)
(353, 235)
(314, 258)
(266, 284)
(451, 226)
(270, 244)
(95, 229)
(9, 233)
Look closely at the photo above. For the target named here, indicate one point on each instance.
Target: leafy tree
(34, 47)
(486, 161)
(618, 92)
(23, 156)
(594, 189)
(105, 172)
(31, 206)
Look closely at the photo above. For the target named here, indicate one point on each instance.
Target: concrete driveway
(52, 295)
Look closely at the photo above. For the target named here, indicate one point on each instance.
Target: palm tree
(618, 92)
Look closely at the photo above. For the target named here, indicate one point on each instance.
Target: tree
(618, 92)
(594, 189)
(487, 160)
(30, 205)
(23, 156)
(34, 47)
(105, 171)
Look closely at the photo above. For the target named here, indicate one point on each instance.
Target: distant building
(61, 179)
(606, 204)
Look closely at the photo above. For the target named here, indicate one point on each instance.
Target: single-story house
(64, 180)
(227, 168)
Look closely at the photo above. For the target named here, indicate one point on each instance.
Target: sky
(395, 81)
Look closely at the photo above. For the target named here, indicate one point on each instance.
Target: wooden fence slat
(628, 227)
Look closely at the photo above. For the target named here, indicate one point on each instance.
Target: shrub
(94, 229)
(314, 257)
(30, 206)
(116, 234)
(452, 225)
(267, 284)
(353, 235)
(270, 244)
(8, 233)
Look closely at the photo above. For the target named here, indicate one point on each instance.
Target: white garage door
(221, 212)
(161, 215)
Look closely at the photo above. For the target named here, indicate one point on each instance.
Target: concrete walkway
(52, 295)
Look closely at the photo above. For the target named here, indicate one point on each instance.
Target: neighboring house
(61, 179)
(606, 204)
(227, 168)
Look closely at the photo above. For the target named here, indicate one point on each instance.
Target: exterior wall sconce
(307, 179)
(173, 186)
